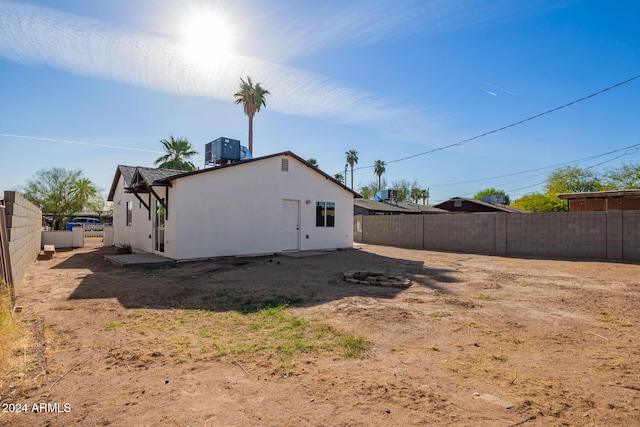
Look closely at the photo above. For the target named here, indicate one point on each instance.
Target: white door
(290, 225)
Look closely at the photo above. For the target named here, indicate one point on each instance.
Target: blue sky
(388, 78)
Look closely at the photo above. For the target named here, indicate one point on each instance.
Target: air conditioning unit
(222, 151)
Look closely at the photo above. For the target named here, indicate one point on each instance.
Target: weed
(125, 249)
(439, 314)
(354, 346)
(473, 325)
(393, 349)
(525, 284)
(112, 325)
(483, 297)
(499, 357)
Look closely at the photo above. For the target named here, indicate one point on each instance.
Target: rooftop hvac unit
(383, 195)
(494, 199)
(222, 151)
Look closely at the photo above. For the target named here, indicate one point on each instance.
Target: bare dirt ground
(476, 340)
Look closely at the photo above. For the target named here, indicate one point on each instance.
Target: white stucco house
(269, 204)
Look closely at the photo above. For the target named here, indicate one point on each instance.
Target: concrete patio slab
(139, 260)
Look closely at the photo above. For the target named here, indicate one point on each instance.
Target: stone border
(376, 278)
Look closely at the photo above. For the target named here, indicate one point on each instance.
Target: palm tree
(252, 98)
(425, 195)
(178, 152)
(352, 159)
(313, 162)
(339, 177)
(379, 168)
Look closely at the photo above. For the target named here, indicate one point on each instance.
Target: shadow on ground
(245, 284)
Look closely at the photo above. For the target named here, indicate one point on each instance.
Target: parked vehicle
(80, 221)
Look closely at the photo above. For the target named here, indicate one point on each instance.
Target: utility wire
(585, 159)
(466, 141)
(626, 153)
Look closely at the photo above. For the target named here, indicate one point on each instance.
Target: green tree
(379, 167)
(571, 179)
(490, 192)
(178, 151)
(252, 98)
(369, 189)
(99, 204)
(339, 177)
(416, 194)
(60, 193)
(424, 196)
(404, 189)
(625, 177)
(538, 202)
(313, 162)
(351, 157)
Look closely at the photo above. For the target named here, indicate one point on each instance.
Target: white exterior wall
(238, 210)
(138, 234)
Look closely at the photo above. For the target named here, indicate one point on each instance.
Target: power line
(631, 147)
(466, 141)
(626, 153)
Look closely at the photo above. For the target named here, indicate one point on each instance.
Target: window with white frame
(325, 214)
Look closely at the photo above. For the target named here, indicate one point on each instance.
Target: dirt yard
(475, 340)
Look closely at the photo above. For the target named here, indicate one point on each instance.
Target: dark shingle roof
(127, 174)
(395, 207)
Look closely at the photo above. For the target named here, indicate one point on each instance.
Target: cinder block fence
(612, 235)
(20, 228)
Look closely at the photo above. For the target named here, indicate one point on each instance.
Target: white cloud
(311, 29)
(86, 47)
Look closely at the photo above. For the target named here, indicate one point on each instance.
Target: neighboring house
(464, 205)
(602, 200)
(264, 205)
(373, 207)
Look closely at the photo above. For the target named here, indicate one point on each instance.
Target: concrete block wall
(460, 232)
(558, 235)
(24, 225)
(404, 231)
(630, 235)
(612, 235)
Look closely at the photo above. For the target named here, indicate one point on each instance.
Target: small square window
(457, 203)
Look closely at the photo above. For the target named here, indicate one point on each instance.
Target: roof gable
(258, 159)
(474, 205)
(126, 172)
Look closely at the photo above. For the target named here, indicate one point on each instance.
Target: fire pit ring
(376, 278)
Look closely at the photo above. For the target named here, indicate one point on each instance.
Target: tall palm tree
(379, 167)
(351, 157)
(178, 153)
(425, 195)
(252, 98)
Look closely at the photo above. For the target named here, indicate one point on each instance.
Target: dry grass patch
(15, 340)
(271, 336)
